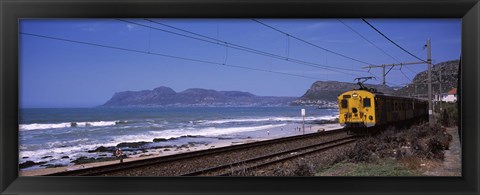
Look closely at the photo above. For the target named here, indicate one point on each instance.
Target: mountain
(449, 77)
(325, 93)
(165, 96)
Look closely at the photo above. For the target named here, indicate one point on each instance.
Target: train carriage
(364, 107)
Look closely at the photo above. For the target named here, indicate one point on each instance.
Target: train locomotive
(366, 109)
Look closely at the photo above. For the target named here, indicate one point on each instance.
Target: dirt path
(452, 164)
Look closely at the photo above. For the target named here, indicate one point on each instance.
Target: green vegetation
(394, 152)
(449, 116)
(383, 167)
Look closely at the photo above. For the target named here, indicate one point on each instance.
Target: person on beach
(119, 154)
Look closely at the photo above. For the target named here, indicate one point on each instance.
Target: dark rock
(159, 139)
(30, 164)
(159, 147)
(102, 149)
(47, 157)
(84, 159)
(120, 122)
(64, 157)
(132, 144)
(25, 157)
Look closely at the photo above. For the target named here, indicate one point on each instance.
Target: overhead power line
(314, 45)
(163, 55)
(392, 41)
(242, 48)
(405, 75)
(364, 38)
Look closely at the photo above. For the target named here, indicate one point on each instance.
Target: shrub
(303, 169)
(449, 115)
(421, 141)
(362, 152)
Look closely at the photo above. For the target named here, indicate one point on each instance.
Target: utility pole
(384, 75)
(429, 61)
(440, 91)
(415, 88)
(303, 117)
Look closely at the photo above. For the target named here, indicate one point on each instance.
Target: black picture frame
(11, 11)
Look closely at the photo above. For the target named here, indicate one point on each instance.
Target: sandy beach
(251, 136)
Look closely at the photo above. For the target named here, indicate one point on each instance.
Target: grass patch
(383, 167)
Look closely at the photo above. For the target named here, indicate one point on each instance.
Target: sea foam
(273, 119)
(209, 131)
(39, 126)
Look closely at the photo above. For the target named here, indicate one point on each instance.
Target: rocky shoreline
(106, 153)
(163, 147)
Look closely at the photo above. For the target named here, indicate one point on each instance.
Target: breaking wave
(39, 126)
(266, 119)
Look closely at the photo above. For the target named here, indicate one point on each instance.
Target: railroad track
(263, 161)
(115, 169)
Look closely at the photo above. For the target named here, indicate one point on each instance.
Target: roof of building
(452, 91)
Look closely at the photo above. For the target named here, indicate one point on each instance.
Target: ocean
(57, 136)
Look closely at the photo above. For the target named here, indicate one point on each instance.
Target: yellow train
(364, 107)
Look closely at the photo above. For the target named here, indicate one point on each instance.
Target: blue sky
(60, 73)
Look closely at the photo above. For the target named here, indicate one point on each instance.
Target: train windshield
(344, 103)
(366, 102)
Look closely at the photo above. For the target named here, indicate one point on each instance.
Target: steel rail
(273, 158)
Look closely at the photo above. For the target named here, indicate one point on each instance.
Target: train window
(366, 102)
(346, 96)
(344, 103)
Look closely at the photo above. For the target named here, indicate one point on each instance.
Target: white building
(451, 96)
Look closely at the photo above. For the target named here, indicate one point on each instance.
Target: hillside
(449, 78)
(164, 96)
(325, 93)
